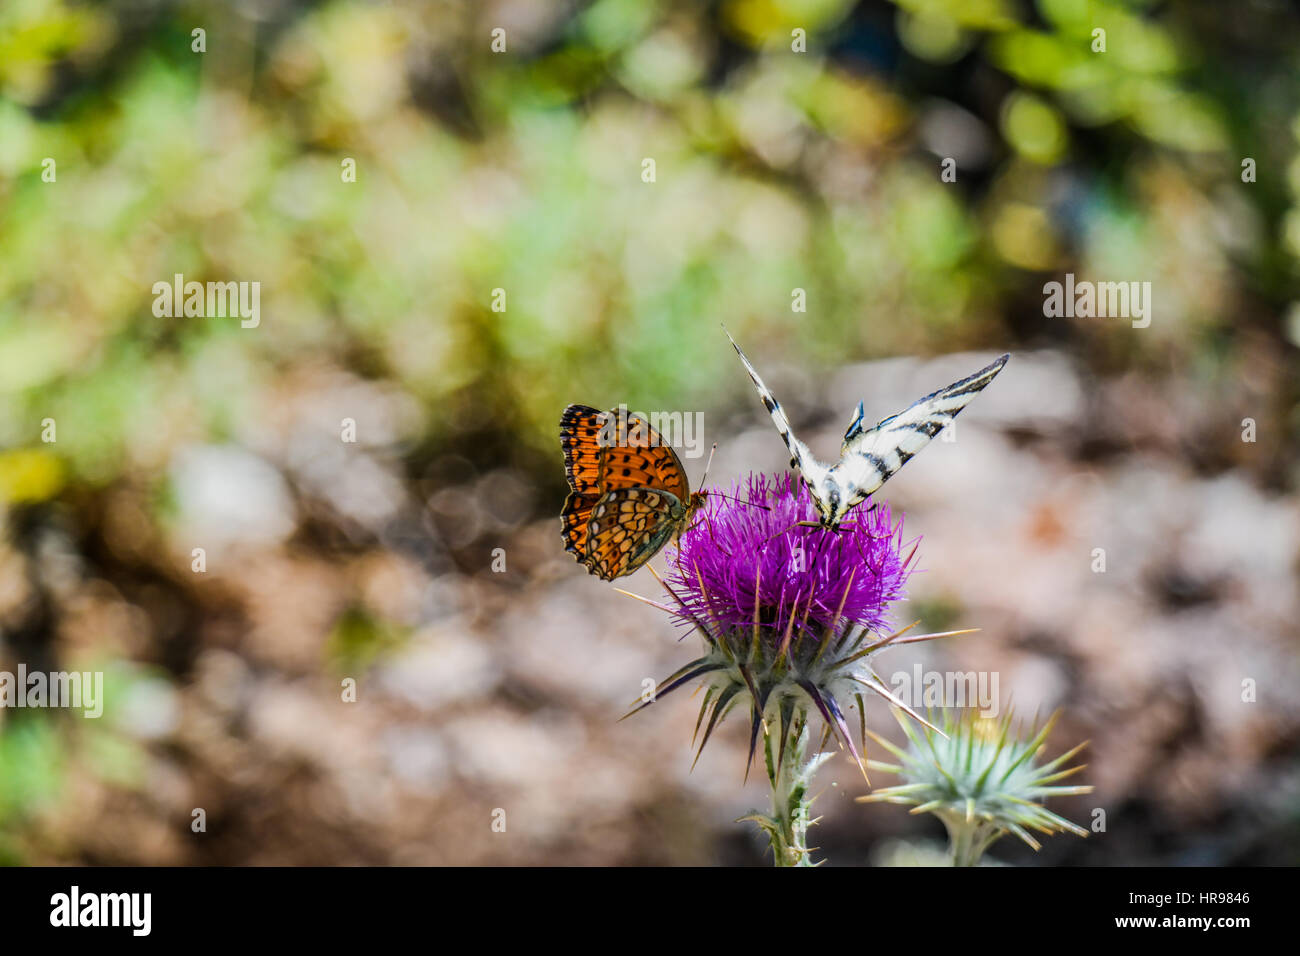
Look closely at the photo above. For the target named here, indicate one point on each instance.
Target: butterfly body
(870, 456)
(628, 493)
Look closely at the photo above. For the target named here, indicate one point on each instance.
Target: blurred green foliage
(30, 766)
(521, 171)
(359, 638)
(43, 751)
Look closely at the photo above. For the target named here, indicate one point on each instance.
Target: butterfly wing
(627, 488)
(628, 527)
(574, 518)
(872, 456)
(801, 458)
(580, 431)
(580, 440)
(636, 456)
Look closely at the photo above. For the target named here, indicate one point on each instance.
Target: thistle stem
(790, 804)
(968, 839)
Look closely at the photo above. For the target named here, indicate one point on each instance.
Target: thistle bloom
(736, 555)
(788, 616)
(982, 779)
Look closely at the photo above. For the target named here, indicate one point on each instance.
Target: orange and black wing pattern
(574, 520)
(638, 457)
(628, 527)
(580, 428)
(628, 492)
(580, 439)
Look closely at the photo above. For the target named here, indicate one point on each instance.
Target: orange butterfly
(628, 491)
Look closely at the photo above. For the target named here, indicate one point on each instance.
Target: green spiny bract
(981, 779)
(819, 670)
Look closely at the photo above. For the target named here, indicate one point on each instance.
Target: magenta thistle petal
(807, 576)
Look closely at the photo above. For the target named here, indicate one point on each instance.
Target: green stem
(790, 803)
(967, 840)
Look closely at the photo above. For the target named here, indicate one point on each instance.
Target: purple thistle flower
(791, 616)
(813, 575)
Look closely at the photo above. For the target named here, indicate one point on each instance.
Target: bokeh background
(481, 690)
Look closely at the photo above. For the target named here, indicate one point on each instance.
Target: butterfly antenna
(707, 464)
(740, 501)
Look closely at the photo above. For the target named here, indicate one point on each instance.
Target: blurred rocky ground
(486, 694)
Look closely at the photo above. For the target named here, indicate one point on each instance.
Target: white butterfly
(870, 456)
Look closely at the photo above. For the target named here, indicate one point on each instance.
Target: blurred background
(775, 169)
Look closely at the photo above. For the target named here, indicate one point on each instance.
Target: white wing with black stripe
(871, 456)
(801, 458)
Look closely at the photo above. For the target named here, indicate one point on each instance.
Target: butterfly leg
(708, 523)
(709, 527)
(797, 524)
(865, 512)
(857, 524)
